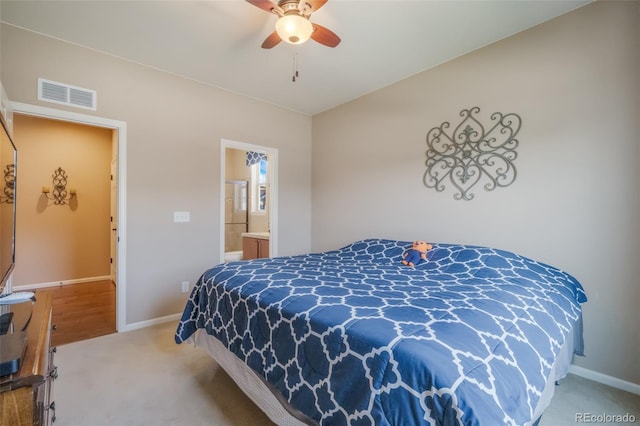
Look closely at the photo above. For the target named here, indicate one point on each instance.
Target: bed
(472, 336)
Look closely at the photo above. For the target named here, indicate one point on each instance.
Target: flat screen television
(8, 156)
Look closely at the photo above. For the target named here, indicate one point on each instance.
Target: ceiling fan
(293, 25)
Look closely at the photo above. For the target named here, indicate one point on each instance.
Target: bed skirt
(258, 390)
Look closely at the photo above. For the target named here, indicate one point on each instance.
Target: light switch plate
(181, 217)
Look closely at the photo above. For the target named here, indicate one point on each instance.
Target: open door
(114, 218)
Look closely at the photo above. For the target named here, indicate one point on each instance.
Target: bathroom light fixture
(293, 28)
(59, 194)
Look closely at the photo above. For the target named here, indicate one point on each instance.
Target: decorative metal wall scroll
(7, 194)
(59, 193)
(472, 154)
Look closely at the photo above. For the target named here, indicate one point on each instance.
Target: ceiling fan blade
(325, 36)
(265, 5)
(271, 41)
(315, 4)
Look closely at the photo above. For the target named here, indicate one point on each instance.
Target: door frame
(272, 173)
(121, 139)
(113, 213)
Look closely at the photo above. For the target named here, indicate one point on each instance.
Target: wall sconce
(7, 194)
(59, 194)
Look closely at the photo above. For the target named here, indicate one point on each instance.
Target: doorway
(248, 197)
(119, 154)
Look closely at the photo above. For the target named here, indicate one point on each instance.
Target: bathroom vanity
(255, 245)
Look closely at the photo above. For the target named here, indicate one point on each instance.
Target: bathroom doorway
(248, 199)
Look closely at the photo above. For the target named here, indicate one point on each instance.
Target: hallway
(82, 311)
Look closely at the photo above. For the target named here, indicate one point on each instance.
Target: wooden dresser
(25, 396)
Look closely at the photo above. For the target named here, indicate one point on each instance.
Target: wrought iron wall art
(7, 195)
(472, 154)
(59, 194)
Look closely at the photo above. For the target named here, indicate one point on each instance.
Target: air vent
(65, 94)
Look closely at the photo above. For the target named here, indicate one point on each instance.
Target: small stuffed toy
(416, 254)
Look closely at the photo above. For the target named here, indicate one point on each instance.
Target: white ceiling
(217, 42)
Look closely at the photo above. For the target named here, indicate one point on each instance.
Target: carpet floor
(142, 377)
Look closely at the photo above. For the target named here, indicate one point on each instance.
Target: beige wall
(61, 242)
(576, 200)
(235, 167)
(174, 129)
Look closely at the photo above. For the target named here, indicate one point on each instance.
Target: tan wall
(61, 242)
(174, 129)
(235, 167)
(575, 203)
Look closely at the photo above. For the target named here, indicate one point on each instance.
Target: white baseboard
(149, 323)
(59, 283)
(614, 382)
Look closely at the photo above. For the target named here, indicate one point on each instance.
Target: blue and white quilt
(353, 337)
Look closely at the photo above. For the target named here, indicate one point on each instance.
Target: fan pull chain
(295, 68)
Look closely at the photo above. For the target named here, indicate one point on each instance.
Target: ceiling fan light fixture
(294, 29)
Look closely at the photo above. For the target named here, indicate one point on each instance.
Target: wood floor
(82, 311)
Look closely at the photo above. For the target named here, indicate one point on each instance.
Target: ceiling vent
(65, 94)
